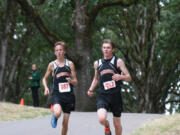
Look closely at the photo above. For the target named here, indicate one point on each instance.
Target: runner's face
(107, 50)
(59, 51)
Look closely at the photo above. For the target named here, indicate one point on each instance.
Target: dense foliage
(146, 34)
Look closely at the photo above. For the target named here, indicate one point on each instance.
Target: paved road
(81, 123)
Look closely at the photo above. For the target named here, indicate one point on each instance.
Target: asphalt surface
(81, 123)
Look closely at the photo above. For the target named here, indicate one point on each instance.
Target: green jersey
(35, 79)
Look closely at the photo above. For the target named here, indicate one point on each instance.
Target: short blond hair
(60, 43)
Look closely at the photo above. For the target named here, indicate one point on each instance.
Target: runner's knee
(57, 114)
(102, 116)
(102, 120)
(57, 110)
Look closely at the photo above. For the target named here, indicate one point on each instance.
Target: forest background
(146, 34)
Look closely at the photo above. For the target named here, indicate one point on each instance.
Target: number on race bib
(64, 87)
(109, 84)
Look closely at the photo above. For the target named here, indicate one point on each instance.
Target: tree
(7, 31)
(145, 32)
(85, 13)
(15, 33)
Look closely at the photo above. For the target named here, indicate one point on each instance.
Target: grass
(12, 112)
(168, 125)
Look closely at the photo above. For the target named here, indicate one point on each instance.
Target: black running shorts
(66, 100)
(111, 102)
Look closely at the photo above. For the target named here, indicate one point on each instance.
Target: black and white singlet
(60, 84)
(106, 69)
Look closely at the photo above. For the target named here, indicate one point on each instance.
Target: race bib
(109, 84)
(64, 87)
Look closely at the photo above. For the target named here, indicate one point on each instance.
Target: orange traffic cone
(21, 102)
(51, 108)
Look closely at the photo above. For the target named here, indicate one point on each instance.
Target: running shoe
(54, 121)
(107, 131)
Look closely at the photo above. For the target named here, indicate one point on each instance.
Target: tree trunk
(13, 65)
(7, 36)
(83, 45)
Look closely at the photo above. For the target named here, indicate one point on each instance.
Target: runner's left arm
(125, 76)
(72, 80)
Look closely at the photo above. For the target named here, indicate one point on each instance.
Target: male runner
(109, 72)
(64, 78)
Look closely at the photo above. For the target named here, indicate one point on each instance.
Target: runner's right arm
(95, 80)
(44, 81)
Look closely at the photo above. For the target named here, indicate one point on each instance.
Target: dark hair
(109, 41)
(60, 43)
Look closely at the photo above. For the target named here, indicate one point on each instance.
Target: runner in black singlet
(64, 78)
(109, 72)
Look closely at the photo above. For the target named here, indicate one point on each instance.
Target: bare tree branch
(95, 10)
(172, 101)
(49, 35)
(40, 2)
(33, 14)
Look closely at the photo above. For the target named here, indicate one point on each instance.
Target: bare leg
(57, 110)
(102, 115)
(117, 125)
(65, 123)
